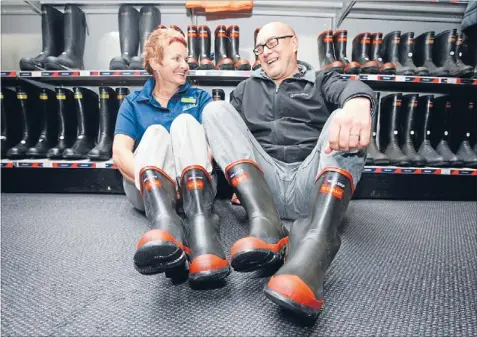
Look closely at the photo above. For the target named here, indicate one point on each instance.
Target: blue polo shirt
(140, 109)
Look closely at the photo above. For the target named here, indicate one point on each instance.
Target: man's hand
(351, 126)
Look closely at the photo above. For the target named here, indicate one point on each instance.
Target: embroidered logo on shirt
(192, 100)
(189, 106)
(298, 94)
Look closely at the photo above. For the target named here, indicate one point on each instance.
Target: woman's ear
(154, 64)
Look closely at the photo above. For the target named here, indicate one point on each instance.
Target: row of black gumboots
(135, 27)
(42, 123)
(64, 36)
(424, 130)
(440, 55)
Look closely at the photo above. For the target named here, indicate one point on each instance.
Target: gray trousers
(291, 184)
(172, 152)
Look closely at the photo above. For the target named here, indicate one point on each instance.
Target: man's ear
(295, 43)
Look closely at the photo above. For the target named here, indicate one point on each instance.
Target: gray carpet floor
(404, 268)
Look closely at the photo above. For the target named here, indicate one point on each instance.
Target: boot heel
(208, 268)
(157, 257)
(250, 254)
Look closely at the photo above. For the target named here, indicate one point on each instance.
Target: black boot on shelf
(340, 39)
(425, 110)
(361, 53)
(233, 34)
(443, 108)
(389, 130)
(408, 133)
(193, 46)
(443, 53)
(326, 53)
(204, 47)
(149, 19)
(108, 110)
(406, 52)
(74, 41)
(256, 64)
(222, 59)
(11, 124)
(49, 124)
(128, 22)
(218, 95)
(52, 38)
(374, 156)
(462, 130)
(376, 54)
(465, 70)
(423, 47)
(66, 117)
(86, 102)
(30, 122)
(391, 44)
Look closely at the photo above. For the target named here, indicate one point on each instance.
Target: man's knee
(215, 112)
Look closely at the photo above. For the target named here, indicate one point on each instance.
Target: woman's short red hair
(157, 42)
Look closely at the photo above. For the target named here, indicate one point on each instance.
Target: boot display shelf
(218, 77)
(86, 163)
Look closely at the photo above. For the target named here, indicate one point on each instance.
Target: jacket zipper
(277, 86)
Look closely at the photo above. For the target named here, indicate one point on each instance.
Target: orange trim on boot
(241, 62)
(340, 171)
(155, 168)
(256, 243)
(160, 235)
(197, 167)
(207, 262)
(295, 289)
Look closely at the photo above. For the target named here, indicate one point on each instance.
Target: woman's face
(174, 67)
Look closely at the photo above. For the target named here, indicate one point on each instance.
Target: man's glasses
(272, 43)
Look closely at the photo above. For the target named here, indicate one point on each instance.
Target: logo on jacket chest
(298, 94)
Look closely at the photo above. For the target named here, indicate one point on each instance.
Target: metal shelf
(87, 164)
(223, 77)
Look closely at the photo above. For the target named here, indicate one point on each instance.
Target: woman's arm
(123, 155)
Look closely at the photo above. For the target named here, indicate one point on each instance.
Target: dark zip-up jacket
(287, 119)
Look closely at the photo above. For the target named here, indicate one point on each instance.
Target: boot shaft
(375, 53)
(445, 47)
(325, 46)
(193, 46)
(49, 122)
(67, 119)
(406, 49)
(30, 113)
(221, 44)
(390, 112)
(108, 109)
(362, 47)
(10, 110)
(425, 108)
(407, 120)
(52, 30)
(340, 39)
(149, 18)
(121, 94)
(441, 121)
(233, 35)
(74, 30)
(128, 22)
(204, 42)
(197, 191)
(158, 191)
(391, 44)
(86, 103)
(423, 46)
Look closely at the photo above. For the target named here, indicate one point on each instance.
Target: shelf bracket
(342, 13)
(35, 5)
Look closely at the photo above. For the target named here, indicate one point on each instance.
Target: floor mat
(404, 268)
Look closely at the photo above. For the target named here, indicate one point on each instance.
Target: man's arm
(236, 96)
(338, 91)
(350, 128)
